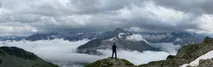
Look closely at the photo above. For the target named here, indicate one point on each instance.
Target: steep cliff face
(16, 57)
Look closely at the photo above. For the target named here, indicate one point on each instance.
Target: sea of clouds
(63, 52)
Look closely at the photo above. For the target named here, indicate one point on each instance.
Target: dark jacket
(114, 47)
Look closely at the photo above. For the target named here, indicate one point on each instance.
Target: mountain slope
(201, 59)
(185, 55)
(16, 57)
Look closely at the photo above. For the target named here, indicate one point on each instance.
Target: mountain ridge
(121, 37)
(16, 57)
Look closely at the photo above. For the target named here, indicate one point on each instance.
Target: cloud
(136, 37)
(167, 47)
(135, 29)
(102, 15)
(205, 22)
(16, 28)
(194, 6)
(63, 52)
(57, 50)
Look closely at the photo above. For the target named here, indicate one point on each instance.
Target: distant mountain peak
(52, 33)
(42, 36)
(119, 30)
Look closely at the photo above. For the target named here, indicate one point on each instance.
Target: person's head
(114, 43)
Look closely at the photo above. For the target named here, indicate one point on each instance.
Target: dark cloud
(195, 6)
(29, 16)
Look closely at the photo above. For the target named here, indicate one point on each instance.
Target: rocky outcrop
(206, 63)
(153, 64)
(109, 62)
(16, 57)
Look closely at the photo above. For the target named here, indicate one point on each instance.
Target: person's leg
(115, 54)
(112, 53)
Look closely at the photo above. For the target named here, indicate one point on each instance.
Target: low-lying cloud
(63, 52)
(168, 47)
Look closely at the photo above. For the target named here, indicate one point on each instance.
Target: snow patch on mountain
(195, 63)
(178, 40)
(111, 39)
(121, 35)
(136, 37)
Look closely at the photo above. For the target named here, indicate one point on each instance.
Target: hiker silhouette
(114, 50)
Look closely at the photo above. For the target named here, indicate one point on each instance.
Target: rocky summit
(109, 62)
(16, 57)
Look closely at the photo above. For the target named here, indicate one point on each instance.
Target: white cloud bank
(62, 52)
(28, 16)
(167, 47)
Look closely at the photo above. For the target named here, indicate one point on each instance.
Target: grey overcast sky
(21, 17)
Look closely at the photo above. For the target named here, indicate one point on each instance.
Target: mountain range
(127, 40)
(137, 41)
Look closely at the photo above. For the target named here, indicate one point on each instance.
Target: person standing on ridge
(114, 51)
